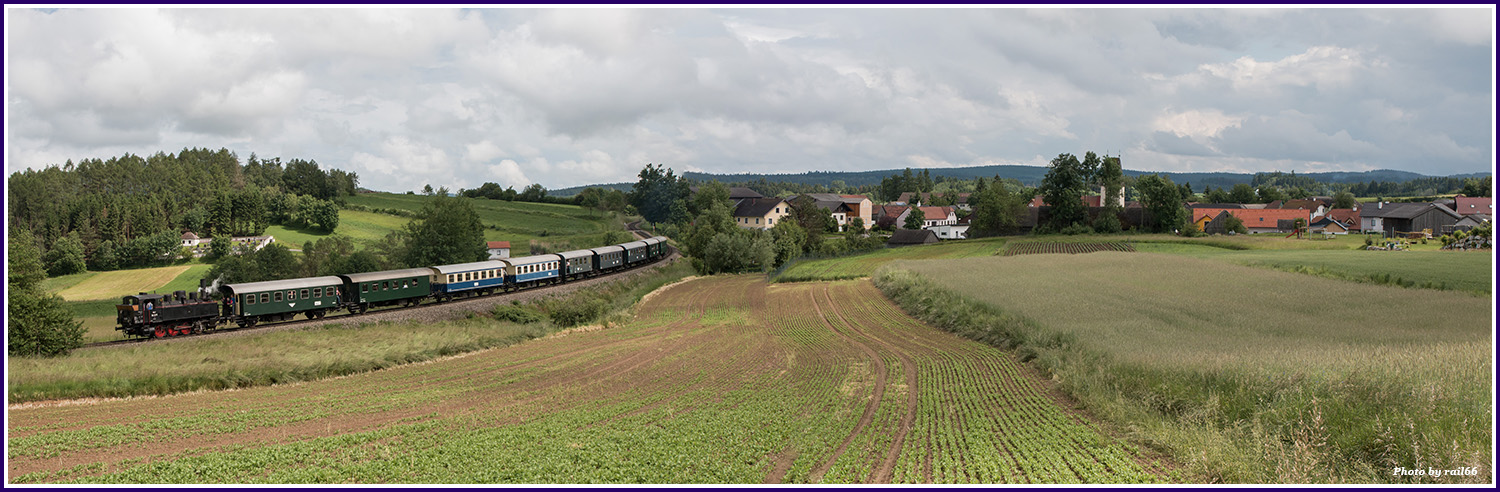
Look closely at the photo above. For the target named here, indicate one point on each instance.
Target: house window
(770, 221)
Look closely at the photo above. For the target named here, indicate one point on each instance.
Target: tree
(38, 323)
(1232, 223)
(589, 199)
(996, 211)
(1163, 200)
(220, 247)
(357, 262)
(1242, 193)
(1343, 199)
(1062, 188)
(916, 219)
(1218, 195)
(1112, 178)
(325, 214)
(275, 262)
(789, 239)
(708, 195)
(445, 231)
(427, 189)
(322, 257)
(533, 193)
(104, 258)
(656, 193)
(66, 256)
(1268, 194)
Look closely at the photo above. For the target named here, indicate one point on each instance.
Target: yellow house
(1203, 221)
(760, 213)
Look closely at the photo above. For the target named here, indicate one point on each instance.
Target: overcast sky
(568, 97)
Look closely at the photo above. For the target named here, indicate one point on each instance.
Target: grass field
(863, 265)
(517, 222)
(110, 285)
(1245, 374)
(718, 380)
(1468, 271)
(363, 227)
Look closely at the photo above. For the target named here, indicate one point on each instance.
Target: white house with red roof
(498, 249)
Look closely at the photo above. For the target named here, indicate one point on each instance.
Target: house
(1258, 220)
(760, 213)
(892, 215)
(937, 216)
(956, 231)
(498, 249)
(1476, 205)
(845, 208)
(1315, 207)
(190, 240)
(1202, 220)
(1328, 225)
(908, 237)
(1387, 218)
(1347, 216)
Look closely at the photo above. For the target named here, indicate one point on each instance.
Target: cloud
(565, 97)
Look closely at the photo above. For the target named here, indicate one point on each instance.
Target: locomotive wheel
(161, 332)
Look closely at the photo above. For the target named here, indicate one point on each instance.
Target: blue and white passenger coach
(467, 279)
(532, 270)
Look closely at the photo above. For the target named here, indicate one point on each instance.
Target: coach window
(304, 293)
(265, 298)
(364, 288)
(250, 299)
(278, 296)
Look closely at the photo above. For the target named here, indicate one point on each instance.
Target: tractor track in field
(884, 473)
(869, 415)
(441, 311)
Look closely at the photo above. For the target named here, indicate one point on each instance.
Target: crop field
(1298, 378)
(718, 380)
(862, 265)
(1040, 248)
(109, 285)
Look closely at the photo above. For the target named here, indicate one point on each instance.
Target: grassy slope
(1468, 271)
(517, 222)
(1245, 374)
(108, 285)
(863, 265)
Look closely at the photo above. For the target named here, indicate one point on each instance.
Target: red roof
(855, 196)
(1037, 201)
(498, 245)
(936, 213)
(1348, 216)
(1475, 205)
(1252, 217)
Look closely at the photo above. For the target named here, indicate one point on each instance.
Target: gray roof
(296, 283)
(912, 236)
(527, 260)
(1403, 210)
(634, 245)
(388, 274)
(469, 267)
(756, 207)
(1216, 205)
(608, 249)
(576, 254)
(660, 239)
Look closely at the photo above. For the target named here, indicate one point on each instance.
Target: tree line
(129, 211)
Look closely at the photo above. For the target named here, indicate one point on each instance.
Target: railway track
(633, 227)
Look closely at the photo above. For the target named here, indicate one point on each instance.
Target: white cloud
(1325, 67)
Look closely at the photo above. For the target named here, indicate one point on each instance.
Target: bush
(40, 325)
(1076, 229)
(516, 313)
(577, 310)
(1107, 223)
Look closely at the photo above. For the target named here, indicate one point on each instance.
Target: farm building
(1347, 216)
(498, 249)
(955, 231)
(891, 215)
(1473, 220)
(1398, 218)
(908, 237)
(760, 213)
(1258, 220)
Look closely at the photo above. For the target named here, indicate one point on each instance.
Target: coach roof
(296, 283)
(469, 267)
(388, 274)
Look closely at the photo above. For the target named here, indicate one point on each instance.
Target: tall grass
(1441, 270)
(1242, 374)
(257, 359)
(864, 264)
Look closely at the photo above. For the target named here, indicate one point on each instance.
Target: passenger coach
(280, 300)
(406, 287)
(467, 279)
(532, 270)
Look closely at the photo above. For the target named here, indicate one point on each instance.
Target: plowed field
(718, 380)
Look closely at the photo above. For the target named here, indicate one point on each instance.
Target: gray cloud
(575, 96)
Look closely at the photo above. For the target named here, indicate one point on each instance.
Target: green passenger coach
(386, 288)
(280, 300)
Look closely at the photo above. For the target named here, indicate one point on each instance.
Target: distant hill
(625, 187)
(1028, 175)
(1032, 176)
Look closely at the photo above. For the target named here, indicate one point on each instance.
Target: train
(246, 304)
